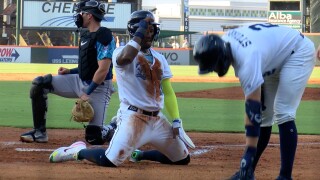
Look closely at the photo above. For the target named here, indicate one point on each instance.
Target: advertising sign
(175, 57)
(13, 54)
(292, 19)
(57, 14)
(63, 55)
(186, 17)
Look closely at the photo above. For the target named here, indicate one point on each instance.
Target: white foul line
(201, 149)
(33, 149)
(209, 148)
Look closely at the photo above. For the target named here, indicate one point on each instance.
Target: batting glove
(176, 125)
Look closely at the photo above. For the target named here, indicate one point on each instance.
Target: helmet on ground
(212, 54)
(93, 7)
(136, 17)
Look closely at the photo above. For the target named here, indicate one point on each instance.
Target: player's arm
(104, 56)
(253, 117)
(129, 52)
(171, 105)
(132, 48)
(170, 99)
(63, 70)
(102, 71)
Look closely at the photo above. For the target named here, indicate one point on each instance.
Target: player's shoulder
(104, 35)
(118, 49)
(157, 54)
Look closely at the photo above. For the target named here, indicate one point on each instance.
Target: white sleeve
(115, 54)
(164, 63)
(250, 72)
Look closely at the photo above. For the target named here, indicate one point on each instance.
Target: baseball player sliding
(274, 58)
(143, 78)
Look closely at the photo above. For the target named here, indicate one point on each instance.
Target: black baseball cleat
(283, 178)
(236, 176)
(34, 136)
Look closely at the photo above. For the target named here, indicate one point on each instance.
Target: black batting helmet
(212, 54)
(93, 7)
(136, 17)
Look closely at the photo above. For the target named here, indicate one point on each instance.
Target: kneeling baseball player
(143, 78)
(91, 80)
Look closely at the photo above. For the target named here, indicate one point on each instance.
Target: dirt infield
(216, 156)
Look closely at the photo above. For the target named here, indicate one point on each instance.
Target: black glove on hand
(142, 28)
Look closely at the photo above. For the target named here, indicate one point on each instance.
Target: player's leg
(293, 79)
(97, 133)
(133, 131)
(62, 85)
(79, 151)
(41, 85)
(168, 150)
(96, 156)
(268, 93)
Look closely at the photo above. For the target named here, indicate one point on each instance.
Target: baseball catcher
(90, 81)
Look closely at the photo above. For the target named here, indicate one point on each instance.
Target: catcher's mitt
(82, 111)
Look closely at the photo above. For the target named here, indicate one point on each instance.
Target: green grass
(206, 115)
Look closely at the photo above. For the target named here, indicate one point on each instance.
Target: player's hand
(148, 19)
(176, 125)
(84, 97)
(63, 70)
(143, 26)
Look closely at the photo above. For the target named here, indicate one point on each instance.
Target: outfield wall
(69, 55)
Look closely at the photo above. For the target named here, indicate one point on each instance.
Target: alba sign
(289, 18)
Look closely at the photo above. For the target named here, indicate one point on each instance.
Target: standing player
(91, 80)
(279, 60)
(143, 78)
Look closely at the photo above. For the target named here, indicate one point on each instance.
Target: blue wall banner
(63, 55)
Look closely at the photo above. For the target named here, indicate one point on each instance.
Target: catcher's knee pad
(184, 161)
(40, 83)
(94, 135)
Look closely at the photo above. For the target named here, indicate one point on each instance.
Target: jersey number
(257, 27)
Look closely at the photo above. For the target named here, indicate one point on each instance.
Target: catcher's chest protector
(88, 63)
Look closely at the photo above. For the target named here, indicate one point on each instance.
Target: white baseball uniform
(139, 117)
(278, 57)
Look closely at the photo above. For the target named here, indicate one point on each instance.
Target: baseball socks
(96, 156)
(265, 133)
(154, 155)
(288, 145)
(246, 162)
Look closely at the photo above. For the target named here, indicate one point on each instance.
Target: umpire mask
(78, 20)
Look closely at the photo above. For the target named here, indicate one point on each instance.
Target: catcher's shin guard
(39, 102)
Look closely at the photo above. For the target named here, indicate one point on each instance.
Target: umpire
(91, 80)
